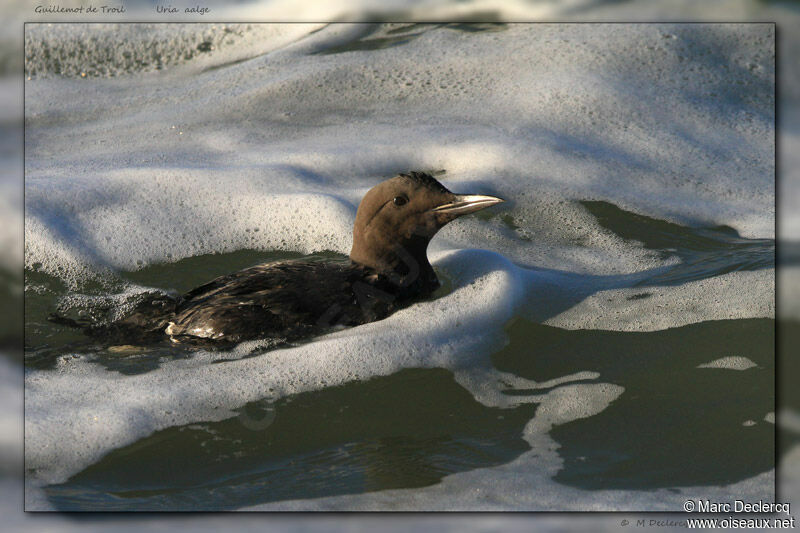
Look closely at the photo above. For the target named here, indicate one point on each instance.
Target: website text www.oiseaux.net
(739, 522)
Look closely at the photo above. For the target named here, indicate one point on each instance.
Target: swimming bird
(388, 268)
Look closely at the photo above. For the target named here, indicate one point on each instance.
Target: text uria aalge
(194, 10)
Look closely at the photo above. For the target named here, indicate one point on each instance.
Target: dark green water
(406, 430)
(675, 424)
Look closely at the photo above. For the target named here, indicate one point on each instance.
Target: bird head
(397, 218)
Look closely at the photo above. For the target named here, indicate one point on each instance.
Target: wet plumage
(388, 269)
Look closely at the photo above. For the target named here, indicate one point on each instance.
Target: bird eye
(400, 200)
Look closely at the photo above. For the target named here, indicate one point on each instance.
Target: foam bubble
(172, 215)
(105, 50)
(730, 296)
(733, 362)
(515, 130)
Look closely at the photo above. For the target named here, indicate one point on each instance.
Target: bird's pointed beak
(464, 204)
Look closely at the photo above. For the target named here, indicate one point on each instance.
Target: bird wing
(284, 299)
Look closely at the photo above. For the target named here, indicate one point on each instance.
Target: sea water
(604, 340)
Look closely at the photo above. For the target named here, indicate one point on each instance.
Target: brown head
(396, 220)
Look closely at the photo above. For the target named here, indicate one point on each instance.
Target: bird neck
(405, 266)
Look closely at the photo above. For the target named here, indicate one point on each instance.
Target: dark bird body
(388, 269)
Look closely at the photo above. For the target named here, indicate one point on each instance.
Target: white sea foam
(729, 296)
(89, 50)
(733, 362)
(673, 122)
(169, 223)
(529, 128)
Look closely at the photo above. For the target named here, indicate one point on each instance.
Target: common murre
(387, 270)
